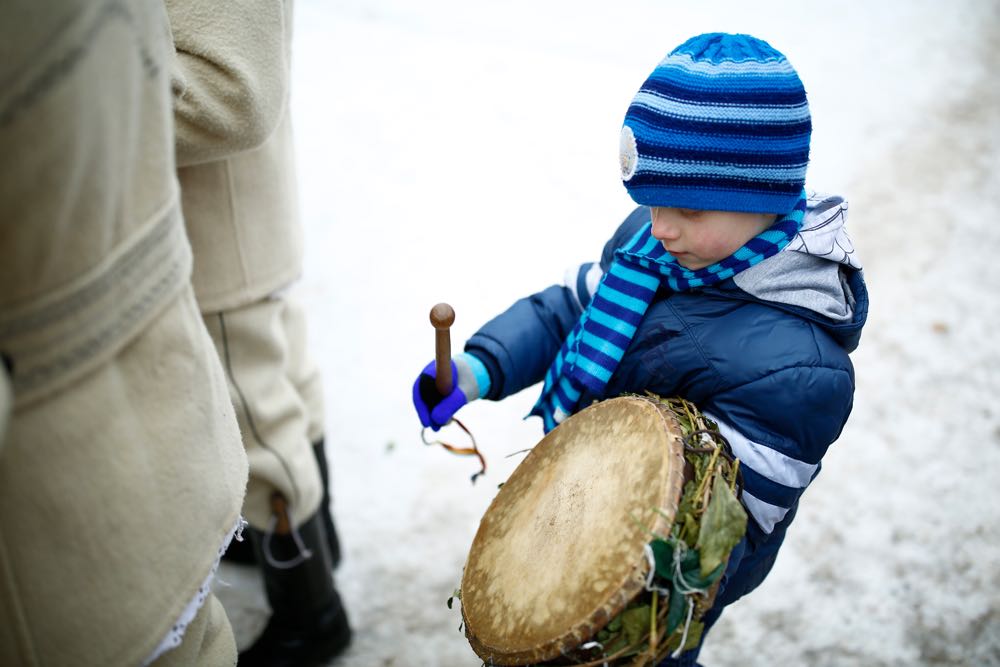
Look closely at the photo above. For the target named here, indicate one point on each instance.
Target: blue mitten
(471, 381)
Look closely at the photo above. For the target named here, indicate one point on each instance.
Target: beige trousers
(277, 393)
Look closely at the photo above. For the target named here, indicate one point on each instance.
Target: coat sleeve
(780, 426)
(518, 345)
(229, 75)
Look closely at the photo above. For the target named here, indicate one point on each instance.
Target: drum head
(560, 551)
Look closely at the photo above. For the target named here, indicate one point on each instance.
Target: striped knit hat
(722, 124)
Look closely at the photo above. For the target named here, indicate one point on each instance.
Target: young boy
(728, 286)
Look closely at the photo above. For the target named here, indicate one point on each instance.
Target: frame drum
(560, 551)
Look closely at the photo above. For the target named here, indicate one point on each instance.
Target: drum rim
(634, 582)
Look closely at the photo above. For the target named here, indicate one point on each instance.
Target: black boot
(331, 532)
(308, 624)
(243, 553)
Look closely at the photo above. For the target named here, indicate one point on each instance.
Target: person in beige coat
(236, 164)
(122, 474)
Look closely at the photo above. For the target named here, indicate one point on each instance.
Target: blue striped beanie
(722, 124)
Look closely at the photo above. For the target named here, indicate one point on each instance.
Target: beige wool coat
(122, 471)
(234, 147)
(237, 173)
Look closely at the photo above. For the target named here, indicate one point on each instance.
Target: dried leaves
(722, 527)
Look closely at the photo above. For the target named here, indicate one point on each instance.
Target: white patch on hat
(628, 154)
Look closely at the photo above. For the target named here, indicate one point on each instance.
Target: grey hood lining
(810, 272)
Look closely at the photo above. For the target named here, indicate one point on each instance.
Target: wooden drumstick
(442, 317)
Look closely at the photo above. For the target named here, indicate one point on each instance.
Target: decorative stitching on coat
(69, 332)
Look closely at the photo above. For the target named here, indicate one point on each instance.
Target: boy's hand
(471, 382)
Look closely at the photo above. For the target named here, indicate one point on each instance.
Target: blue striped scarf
(594, 348)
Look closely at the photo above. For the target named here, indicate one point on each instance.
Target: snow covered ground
(467, 152)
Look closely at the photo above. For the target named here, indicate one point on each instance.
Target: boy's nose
(664, 229)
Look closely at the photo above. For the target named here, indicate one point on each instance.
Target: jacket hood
(818, 275)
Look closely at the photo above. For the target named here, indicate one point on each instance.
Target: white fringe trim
(176, 634)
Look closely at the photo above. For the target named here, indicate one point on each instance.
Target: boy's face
(701, 238)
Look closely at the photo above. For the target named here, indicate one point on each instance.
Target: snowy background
(467, 152)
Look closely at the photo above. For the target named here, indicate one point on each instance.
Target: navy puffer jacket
(764, 353)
